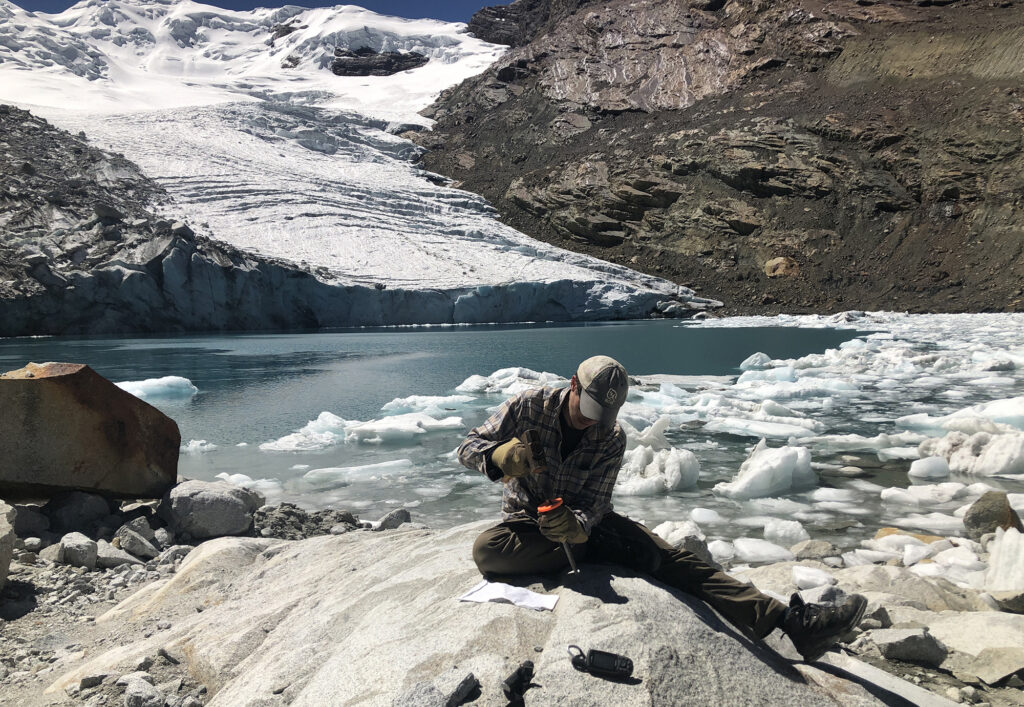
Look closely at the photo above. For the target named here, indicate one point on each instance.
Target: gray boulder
(134, 543)
(268, 601)
(76, 510)
(78, 551)
(991, 511)
(8, 518)
(911, 645)
(108, 556)
(393, 520)
(65, 426)
(205, 509)
(31, 521)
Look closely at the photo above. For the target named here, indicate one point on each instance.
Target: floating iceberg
(646, 472)
(163, 388)
(770, 472)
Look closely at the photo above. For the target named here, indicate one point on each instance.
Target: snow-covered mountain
(241, 118)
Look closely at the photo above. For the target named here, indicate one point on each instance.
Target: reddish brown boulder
(65, 426)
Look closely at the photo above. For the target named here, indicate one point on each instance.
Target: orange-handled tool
(547, 507)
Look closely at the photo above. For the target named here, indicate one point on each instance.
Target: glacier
(239, 117)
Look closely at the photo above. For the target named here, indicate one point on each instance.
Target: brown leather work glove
(512, 457)
(562, 525)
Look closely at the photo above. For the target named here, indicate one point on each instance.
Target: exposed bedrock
(785, 156)
(369, 62)
(84, 252)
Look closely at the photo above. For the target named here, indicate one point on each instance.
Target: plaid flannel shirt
(584, 480)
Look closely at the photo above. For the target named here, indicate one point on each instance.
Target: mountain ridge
(797, 156)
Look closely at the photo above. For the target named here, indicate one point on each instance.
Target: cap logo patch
(610, 397)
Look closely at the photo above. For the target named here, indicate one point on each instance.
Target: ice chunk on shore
(433, 405)
(646, 472)
(197, 446)
(935, 522)
(770, 472)
(721, 550)
(164, 388)
(756, 362)
(1006, 562)
(509, 381)
(653, 436)
(325, 431)
(995, 417)
(982, 453)
(743, 427)
(754, 550)
(675, 532)
(399, 428)
(929, 468)
(705, 515)
(785, 532)
(271, 489)
(810, 577)
(925, 494)
(330, 477)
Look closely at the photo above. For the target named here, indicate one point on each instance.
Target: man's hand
(562, 525)
(513, 458)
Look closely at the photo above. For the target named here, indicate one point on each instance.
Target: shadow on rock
(19, 599)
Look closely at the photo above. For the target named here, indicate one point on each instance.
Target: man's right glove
(562, 525)
(512, 457)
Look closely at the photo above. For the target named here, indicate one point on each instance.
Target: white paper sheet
(506, 593)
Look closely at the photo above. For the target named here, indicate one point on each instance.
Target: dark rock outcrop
(369, 62)
(786, 156)
(65, 426)
(518, 23)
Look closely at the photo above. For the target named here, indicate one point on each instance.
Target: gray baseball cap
(603, 388)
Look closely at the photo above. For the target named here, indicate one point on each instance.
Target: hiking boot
(814, 628)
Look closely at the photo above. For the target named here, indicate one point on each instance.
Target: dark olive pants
(516, 546)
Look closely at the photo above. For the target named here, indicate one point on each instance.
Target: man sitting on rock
(582, 448)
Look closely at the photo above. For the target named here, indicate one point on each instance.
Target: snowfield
(261, 145)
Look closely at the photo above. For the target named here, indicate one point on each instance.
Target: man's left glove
(562, 525)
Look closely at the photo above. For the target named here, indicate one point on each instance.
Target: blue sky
(450, 10)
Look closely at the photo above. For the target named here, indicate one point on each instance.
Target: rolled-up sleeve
(475, 450)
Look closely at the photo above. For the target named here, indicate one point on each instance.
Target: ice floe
(163, 388)
(769, 472)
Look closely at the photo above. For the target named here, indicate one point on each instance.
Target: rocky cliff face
(787, 156)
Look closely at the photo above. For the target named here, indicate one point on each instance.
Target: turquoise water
(254, 388)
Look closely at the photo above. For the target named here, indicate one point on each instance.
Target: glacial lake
(368, 420)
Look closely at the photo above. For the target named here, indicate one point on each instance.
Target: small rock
(91, 680)
(135, 543)
(77, 550)
(911, 645)
(33, 544)
(991, 511)
(164, 538)
(393, 519)
(205, 509)
(173, 554)
(108, 556)
(993, 665)
(137, 675)
(140, 693)
(30, 521)
(1012, 601)
(813, 550)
